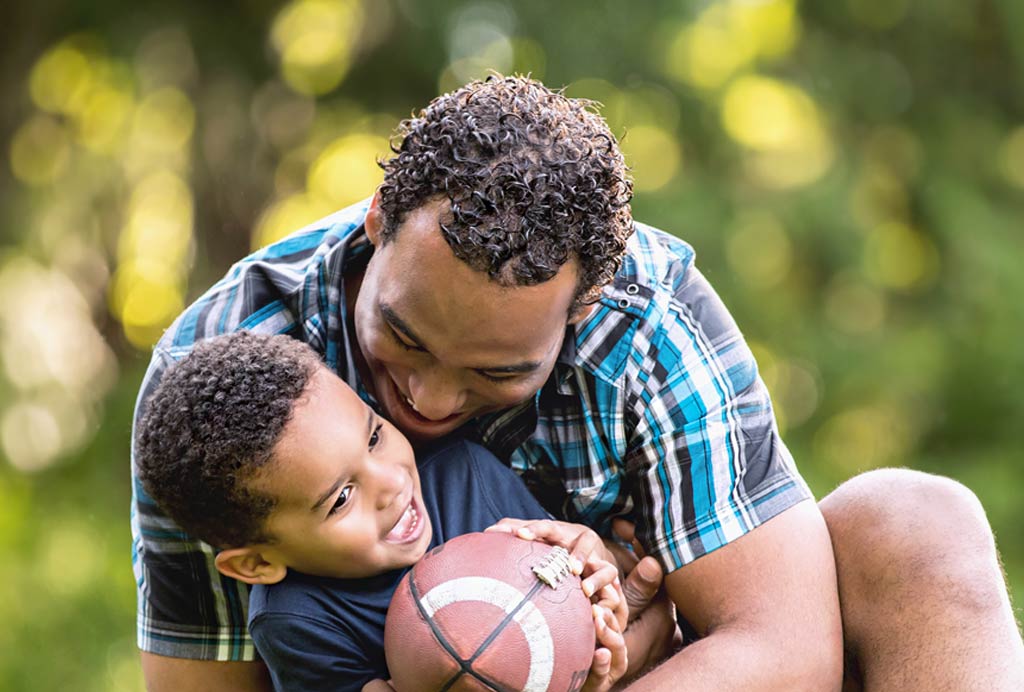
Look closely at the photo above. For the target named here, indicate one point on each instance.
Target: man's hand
(644, 575)
(378, 686)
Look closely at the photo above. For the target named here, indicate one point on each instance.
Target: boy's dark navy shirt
(320, 633)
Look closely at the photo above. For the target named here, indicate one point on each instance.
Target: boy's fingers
(603, 576)
(612, 640)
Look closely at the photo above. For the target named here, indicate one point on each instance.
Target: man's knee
(898, 527)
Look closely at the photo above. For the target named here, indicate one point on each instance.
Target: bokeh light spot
(60, 78)
(853, 305)
(1011, 157)
(288, 215)
(30, 435)
(347, 171)
(654, 155)
(899, 257)
(103, 120)
(159, 221)
(315, 39)
(40, 151)
(759, 249)
(863, 438)
(730, 36)
(146, 296)
(71, 543)
(781, 127)
(164, 121)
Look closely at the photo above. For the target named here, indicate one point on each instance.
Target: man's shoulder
(654, 270)
(254, 293)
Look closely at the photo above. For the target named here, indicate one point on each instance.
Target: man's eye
(376, 435)
(343, 496)
(498, 378)
(401, 342)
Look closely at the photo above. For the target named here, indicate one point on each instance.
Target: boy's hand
(590, 558)
(610, 661)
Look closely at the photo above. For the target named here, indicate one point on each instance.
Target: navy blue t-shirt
(321, 633)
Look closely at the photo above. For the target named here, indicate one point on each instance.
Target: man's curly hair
(211, 426)
(533, 178)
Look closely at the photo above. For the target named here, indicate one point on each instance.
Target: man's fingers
(626, 531)
(506, 525)
(642, 585)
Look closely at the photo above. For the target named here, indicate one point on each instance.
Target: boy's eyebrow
(334, 486)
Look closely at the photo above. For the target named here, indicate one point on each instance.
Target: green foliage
(850, 172)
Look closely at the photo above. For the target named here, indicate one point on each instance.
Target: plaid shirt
(654, 411)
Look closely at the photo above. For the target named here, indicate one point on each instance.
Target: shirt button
(632, 289)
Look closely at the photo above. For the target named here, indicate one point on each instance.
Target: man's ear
(249, 565)
(581, 313)
(374, 222)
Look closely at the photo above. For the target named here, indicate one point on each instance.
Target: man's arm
(165, 674)
(768, 609)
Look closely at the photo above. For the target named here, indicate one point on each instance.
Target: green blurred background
(851, 173)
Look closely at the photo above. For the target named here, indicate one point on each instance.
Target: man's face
(442, 342)
(348, 494)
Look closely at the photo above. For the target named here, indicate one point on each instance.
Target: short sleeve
(307, 654)
(705, 458)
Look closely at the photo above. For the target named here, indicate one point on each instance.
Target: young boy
(251, 444)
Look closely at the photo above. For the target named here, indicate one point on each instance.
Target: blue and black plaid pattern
(654, 411)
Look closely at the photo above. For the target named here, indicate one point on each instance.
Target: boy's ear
(374, 222)
(248, 564)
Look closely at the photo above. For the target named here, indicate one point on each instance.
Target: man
(497, 285)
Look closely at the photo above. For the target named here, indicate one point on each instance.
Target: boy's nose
(391, 480)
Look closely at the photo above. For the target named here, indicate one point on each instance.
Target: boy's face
(349, 502)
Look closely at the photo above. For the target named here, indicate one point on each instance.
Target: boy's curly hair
(212, 424)
(534, 179)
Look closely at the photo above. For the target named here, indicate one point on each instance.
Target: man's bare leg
(923, 596)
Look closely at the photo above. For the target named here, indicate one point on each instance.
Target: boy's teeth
(404, 524)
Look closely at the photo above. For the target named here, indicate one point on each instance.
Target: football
(490, 611)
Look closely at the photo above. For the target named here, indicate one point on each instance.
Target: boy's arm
(164, 674)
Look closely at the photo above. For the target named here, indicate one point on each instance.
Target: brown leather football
(489, 611)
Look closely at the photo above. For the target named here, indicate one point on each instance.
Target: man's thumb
(641, 585)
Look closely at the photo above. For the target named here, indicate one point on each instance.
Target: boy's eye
(343, 496)
(375, 436)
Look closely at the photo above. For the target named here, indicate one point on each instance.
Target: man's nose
(436, 393)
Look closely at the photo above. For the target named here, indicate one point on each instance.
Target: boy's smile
(349, 502)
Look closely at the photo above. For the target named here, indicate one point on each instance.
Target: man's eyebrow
(399, 325)
(334, 486)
